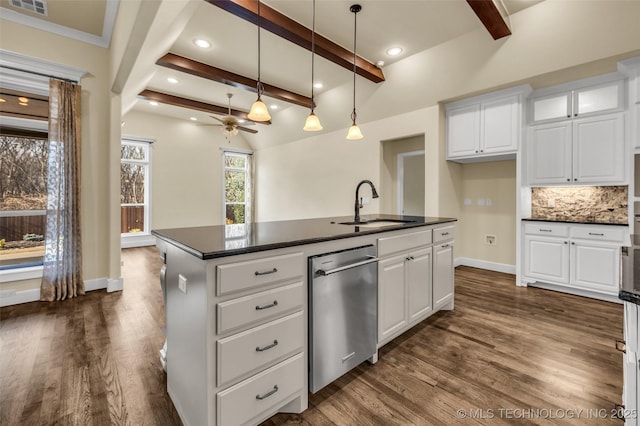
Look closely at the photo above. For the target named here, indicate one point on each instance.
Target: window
(135, 174)
(237, 193)
(23, 198)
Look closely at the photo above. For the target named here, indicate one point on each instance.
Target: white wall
(186, 170)
(317, 176)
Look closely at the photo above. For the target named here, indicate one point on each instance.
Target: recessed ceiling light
(273, 106)
(241, 121)
(394, 51)
(380, 64)
(193, 119)
(2, 100)
(153, 103)
(317, 85)
(202, 43)
(172, 80)
(23, 99)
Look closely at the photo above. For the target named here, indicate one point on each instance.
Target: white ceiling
(414, 25)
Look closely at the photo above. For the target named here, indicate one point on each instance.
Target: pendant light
(354, 131)
(312, 124)
(259, 111)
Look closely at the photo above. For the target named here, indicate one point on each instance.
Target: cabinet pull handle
(596, 234)
(273, 271)
(444, 245)
(268, 394)
(621, 345)
(546, 230)
(271, 305)
(266, 348)
(445, 233)
(409, 258)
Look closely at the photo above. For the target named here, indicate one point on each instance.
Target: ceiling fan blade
(220, 120)
(244, 129)
(209, 125)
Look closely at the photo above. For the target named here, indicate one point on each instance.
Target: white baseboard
(130, 241)
(577, 292)
(13, 297)
(115, 285)
(485, 264)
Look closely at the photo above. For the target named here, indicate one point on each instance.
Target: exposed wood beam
(285, 27)
(490, 17)
(189, 66)
(165, 98)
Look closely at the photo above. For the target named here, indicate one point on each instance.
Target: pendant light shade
(312, 124)
(354, 131)
(259, 111)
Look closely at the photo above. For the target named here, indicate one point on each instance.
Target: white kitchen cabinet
(579, 102)
(463, 131)
(631, 365)
(485, 128)
(582, 151)
(443, 278)
(576, 256)
(549, 154)
(392, 296)
(547, 258)
(598, 150)
(404, 292)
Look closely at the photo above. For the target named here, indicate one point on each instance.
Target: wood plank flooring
(94, 360)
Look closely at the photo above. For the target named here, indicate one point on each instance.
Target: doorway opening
(403, 176)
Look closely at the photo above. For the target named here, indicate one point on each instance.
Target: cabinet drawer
(261, 393)
(404, 242)
(549, 229)
(239, 276)
(259, 307)
(258, 347)
(444, 233)
(600, 233)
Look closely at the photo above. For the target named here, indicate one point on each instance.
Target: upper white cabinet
(582, 102)
(487, 127)
(631, 67)
(581, 151)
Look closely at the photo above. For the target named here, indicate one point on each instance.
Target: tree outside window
(134, 187)
(23, 199)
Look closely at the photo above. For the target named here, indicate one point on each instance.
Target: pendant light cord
(259, 88)
(313, 51)
(355, 27)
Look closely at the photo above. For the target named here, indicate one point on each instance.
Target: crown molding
(103, 40)
(21, 72)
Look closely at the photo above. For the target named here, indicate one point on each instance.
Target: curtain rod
(40, 74)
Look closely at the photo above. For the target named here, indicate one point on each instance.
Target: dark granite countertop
(539, 219)
(209, 242)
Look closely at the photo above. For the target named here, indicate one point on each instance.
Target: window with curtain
(23, 197)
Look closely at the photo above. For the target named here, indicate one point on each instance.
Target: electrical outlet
(490, 240)
(182, 283)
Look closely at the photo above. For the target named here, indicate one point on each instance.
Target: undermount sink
(376, 223)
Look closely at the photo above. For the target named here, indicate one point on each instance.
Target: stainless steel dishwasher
(343, 303)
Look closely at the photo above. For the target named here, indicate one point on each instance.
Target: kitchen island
(237, 305)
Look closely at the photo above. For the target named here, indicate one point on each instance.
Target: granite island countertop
(209, 242)
(576, 220)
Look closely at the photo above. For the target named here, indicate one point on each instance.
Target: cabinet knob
(566, 242)
(569, 116)
(575, 115)
(575, 179)
(572, 243)
(568, 180)
(476, 151)
(482, 150)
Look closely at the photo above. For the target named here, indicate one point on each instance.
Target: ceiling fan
(230, 125)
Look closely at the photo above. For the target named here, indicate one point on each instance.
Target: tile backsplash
(604, 204)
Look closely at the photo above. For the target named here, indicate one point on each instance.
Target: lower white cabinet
(443, 274)
(631, 365)
(583, 257)
(404, 291)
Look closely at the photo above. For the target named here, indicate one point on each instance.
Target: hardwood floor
(94, 360)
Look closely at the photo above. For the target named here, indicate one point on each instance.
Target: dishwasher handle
(370, 259)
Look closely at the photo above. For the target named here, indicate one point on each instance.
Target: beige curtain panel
(62, 274)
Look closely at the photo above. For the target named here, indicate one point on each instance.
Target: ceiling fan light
(259, 111)
(229, 131)
(354, 133)
(312, 124)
